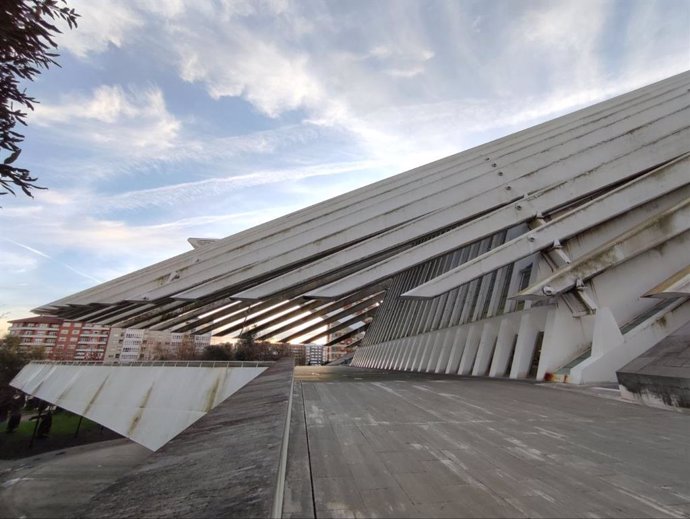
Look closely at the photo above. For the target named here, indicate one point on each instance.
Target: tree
(26, 46)
(186, 350)
(216, 353)
(12, 359)
(249, 348)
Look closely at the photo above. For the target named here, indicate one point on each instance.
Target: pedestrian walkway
(403, 445)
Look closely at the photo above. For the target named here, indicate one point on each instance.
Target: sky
(182, 118)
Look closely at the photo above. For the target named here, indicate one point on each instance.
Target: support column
(504, 348)
(397, 347)
(390, 353)
(359, 354)
(409, 356)
(424, 342)
(360, 357)
(379, 356)
(372, 356)
(387, 355)
(369, 356)
(467, 361)
(382, 355)
(485, 349)
(458, 339)
(431, 344)
(440, 344)
(400, 345)
(565, 337)
(527, 334)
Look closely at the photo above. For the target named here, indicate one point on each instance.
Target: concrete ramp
(660, 377)
(149, 403)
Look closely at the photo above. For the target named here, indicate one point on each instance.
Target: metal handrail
(165, 363)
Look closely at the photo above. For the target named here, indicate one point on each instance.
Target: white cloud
(652, 33)
(176, 194)
(46, 256)
(99, 26)
(261, 72)
(568, 24)
(406, 72)
(73, 234)
(133, 121)
(15, 263)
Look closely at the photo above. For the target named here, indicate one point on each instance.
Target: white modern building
(131, 344)
(314, 354)
(558, 252)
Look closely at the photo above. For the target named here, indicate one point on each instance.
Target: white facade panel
(148, 404)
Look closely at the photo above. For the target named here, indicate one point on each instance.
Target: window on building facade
(525, 275)
(475, 297)
(507, 277)
(489, 294)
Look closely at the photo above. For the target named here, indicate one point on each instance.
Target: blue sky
(190, 118)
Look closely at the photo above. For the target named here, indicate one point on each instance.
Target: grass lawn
(16, 445)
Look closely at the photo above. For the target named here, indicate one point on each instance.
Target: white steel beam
(237, 320)
(650, 234)
(218, 308)
(519, 211)
(98, 316)
(516, 180)
(602, 208)
(677, 285)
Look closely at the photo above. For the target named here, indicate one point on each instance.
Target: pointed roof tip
(200, 242)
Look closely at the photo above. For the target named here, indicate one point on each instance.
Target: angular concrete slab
(226, 465)
(147, 403)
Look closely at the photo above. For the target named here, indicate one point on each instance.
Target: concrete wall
(661, 376)
(148, 404)
(228, 464)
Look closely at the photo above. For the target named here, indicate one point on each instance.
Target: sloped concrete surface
(661, 376)
(57, 484)
(403, 445)
(224, 465)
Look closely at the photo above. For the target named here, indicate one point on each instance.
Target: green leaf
(13, 157)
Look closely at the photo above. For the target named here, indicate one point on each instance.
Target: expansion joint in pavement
(306, 432)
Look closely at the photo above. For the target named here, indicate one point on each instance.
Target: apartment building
(62, 339)
(314, 354)
(81, 341)
(130, 345)
(37, 332)
(331, 353)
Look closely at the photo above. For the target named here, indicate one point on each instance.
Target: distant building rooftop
(41, 319)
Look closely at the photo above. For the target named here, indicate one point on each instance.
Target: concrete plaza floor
(365, 443)
(60, 483)
(374, 444)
